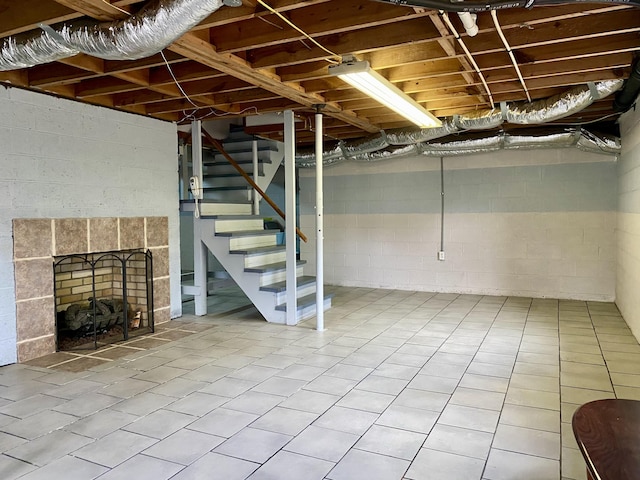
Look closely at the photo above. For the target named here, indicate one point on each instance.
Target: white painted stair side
(240, 251)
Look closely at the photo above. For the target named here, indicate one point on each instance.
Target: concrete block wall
(63, 159)
(628, 233)
(533, 223)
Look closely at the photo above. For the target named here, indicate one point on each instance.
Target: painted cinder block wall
(537, 223)
(64, 159)
(628, 232)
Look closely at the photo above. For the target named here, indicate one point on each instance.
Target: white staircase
(248, 252)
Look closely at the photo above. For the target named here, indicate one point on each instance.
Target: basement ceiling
(247, 60)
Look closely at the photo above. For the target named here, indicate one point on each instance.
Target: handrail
(235, 165)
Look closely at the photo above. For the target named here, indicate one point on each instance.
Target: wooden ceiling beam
(104, 86)
(19, 17)
(252, 10)
(317, 21)
(54, 74)
(449, 46)
(355, 41)
(98, 9)
(199, 50)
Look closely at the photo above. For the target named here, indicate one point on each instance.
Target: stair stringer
(269, 169)
(235, 265)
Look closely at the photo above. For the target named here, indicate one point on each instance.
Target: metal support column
(319, 227)
(256, 196)
(290, 211)
(200, 252)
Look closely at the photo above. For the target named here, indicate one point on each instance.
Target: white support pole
(290, 212)
(256, 195)
(199, 248)
(319, 228)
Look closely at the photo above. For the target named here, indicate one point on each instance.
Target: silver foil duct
(554, 140)
(156, 26)
(370, 144)
(480, 120)
(573, 137)
(538, 112)
(388, 154)
(607, 87)
(487, 144)
(549, 109)
(417, 135)
(602, 144)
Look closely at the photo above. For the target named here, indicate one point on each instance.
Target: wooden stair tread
(248, 233)
(304, 302)
(258, 250)
(273, 267)
(277, 287)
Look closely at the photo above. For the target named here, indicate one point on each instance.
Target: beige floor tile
(528, 441)
(460, 441)
(401, 385)
(530, 417)
(437, 465)
(504, 465)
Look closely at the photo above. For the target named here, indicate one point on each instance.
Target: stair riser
(233, 196)
(279, 276)
(226, 182)
(310, 311)
(222, 169)
(266, 259)
(225, 169)
(281, 297)
(247, 146)
(237, 225)
(243, 156)
(225, 209)
(252, 242)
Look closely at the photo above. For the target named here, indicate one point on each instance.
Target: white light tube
(361, 76)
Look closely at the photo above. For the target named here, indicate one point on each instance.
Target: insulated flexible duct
(480, 6)
(149, 31)
(377, 147)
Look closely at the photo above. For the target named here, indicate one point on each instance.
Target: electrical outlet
(441, 255)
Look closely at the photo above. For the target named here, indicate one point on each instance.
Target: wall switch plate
(441, 255)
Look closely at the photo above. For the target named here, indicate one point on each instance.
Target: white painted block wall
(535, 223)
(628, 267)
(63, 159)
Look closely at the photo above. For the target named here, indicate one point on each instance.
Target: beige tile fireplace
(37, 241)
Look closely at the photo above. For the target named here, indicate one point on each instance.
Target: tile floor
(402, 385)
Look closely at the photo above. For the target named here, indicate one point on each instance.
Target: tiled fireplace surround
(37, 241)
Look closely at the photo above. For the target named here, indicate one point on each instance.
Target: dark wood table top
(608, 434)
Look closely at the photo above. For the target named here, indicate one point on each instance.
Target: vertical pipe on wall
(256, 196)
(319, 228)
(442, 204)
(199, 249)
(290, 211)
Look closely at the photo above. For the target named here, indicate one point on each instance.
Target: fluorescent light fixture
(361, 76)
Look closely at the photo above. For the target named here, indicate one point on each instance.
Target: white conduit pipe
(494, 15)
(469, 23)
(453, 30)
